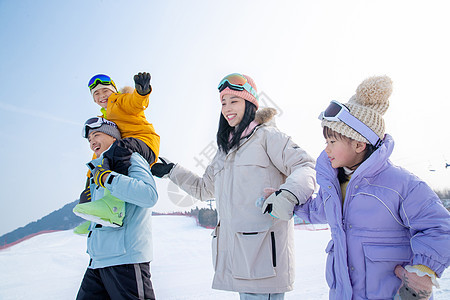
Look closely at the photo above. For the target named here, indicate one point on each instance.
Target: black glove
(142, 83)
(85, 195)
(163, 168)
(101, 170)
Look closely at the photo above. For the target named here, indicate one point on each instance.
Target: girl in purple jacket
(390, 232)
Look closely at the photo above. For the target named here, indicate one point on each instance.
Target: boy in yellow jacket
(138, 135)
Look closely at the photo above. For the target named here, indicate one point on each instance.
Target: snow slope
(51, 266)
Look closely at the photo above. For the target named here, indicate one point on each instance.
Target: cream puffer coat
(252, 252)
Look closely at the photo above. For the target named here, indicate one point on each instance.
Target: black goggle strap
(226, 84)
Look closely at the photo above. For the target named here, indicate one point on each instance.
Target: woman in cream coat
(253, 250)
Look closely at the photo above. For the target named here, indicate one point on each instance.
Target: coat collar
(368, 168)
(264, 117)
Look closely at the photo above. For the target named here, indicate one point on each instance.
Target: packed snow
(51, 266)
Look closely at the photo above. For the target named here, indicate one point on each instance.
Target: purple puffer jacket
(390, 217)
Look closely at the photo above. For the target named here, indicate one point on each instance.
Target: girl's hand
(413, 286)
(268, 192)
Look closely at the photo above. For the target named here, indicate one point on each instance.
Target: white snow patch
(51, 266)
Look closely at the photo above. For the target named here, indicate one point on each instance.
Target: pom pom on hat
(374, 93)
(368, 105)
(243, 94)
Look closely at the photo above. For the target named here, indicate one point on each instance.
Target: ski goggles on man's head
(101, 79)
(236, 82)
(93, 123)
(338, 112)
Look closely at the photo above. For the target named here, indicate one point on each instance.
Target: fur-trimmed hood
(126, 90)
(265, 115)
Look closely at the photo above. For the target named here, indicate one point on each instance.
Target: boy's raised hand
(142, 83)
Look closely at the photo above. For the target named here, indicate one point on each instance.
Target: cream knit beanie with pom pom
(368, 105)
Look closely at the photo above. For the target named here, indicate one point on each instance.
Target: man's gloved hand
(162, 168)
(100, 170)
(413, 287)
(280, 205)
(142, 83)
(85, 195)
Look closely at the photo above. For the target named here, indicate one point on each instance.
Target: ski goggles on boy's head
(101, 79)
(237, 82)
(93, 123)
(338, 112)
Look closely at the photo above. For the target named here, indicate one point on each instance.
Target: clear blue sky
(301, 54)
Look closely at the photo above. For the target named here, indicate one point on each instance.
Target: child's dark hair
(329, 133)
(223, 134)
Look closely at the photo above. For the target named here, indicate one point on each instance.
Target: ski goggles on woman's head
(236, 82)
(101, 79)
(95, 122)
(338, 112)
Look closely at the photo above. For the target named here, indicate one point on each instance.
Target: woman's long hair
(223, 134)
(329, 133)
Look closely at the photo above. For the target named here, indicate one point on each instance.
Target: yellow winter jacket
(127, 111)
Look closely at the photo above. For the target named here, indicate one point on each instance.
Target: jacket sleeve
(293, 162)
(138, 187)
(133, 103)
(313, 211)
(201, 188)
(429, 224)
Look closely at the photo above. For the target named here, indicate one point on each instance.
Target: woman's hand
(280, 204)
(162, 168)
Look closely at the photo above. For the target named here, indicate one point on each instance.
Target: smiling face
(233, 109)
(344, 152)
(99, 142)
(101, 96)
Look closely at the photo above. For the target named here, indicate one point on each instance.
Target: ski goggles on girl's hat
(96, 123)
(236, 82)
(101, 79)
(338, 112)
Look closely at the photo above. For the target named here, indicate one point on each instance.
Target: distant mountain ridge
(61, 219)
(65, 219)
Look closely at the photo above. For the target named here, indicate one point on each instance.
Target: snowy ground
(51, 266)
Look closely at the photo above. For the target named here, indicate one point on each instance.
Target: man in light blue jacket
(119, 267)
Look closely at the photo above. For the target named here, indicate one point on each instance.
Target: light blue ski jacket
(390, 217)
(131, 243)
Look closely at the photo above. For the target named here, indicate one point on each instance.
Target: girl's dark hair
(223, 134)
(329, 133)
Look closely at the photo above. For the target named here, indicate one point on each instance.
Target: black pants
(120, 153)
(117, 282)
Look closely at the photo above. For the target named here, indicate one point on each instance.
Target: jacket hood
(266, 116)
(127, 90)
(263, 116)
